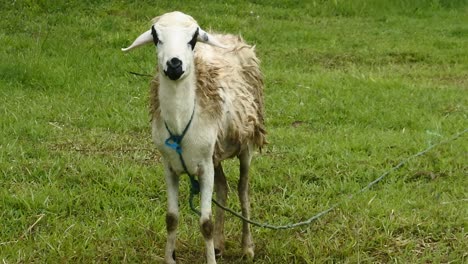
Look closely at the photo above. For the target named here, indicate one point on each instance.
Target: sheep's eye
(193, 41)
(155, 37)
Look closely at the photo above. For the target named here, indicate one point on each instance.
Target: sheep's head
(175, 35)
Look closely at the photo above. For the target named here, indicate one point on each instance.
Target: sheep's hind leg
(172, 216)
(245, 158)
(221, 190)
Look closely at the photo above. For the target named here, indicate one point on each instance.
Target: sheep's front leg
(243, 189)
(206, 177)
(172, 215)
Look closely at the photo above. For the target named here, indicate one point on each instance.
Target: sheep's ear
(208, 39)
(143, 39)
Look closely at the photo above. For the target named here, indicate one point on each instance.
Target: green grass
(352, 88)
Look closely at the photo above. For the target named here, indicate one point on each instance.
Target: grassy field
(352, 88)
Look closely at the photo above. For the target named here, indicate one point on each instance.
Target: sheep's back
(230, 89)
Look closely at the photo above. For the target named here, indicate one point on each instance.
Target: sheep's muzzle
(174, 69)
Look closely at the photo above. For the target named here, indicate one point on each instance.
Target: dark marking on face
(155, 36)
(207, 229)
(171, 222)
(173, 255)
(194, 39)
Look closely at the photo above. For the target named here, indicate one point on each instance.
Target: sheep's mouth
(174, 73)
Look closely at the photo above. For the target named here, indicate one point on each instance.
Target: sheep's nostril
(174, 69)
(174, 63)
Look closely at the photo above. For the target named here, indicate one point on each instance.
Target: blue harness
(174, 142)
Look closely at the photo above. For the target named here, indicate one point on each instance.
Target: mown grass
(352, 88)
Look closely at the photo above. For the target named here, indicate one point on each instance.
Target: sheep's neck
(177, 101)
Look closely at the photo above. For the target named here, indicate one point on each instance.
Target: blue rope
(174, 142)
(367, 187)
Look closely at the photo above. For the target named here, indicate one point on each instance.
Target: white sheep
(215, 93)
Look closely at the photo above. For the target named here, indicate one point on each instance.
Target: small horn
(143, 39)
(204, 37)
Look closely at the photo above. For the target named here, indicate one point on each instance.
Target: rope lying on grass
(318, 215)
(140, 74)
(194, 186)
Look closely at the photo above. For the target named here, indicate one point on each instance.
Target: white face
(175, 35)
(175, 49)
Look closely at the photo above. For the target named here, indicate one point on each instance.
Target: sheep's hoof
(218, 253)
(171, 259)
(248, 253)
